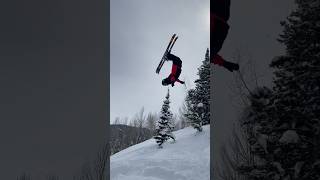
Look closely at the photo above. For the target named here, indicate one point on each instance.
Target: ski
(168, 49)
(174, 41)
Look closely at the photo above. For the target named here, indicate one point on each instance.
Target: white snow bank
(200, 105)
(186, 159)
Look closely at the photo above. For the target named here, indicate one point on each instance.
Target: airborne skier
(176, 64)
(219, 15)
(175, 70)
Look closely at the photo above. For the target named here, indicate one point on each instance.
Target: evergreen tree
(203, 89)
(193, 115)
(257, 123)
(286, 141)
(164, 125)
(297, 94)
(198, 99)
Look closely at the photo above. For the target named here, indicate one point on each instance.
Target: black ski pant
(175, 59)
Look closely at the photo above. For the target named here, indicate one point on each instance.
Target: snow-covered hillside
(186, 159)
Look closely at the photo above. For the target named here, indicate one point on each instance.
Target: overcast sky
(140, 31)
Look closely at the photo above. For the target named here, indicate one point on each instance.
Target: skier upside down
(219, 15)
(175, 70)
(176, 64)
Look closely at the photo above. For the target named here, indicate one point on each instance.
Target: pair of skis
(168, 50)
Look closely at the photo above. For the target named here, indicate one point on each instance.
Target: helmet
(165, 82)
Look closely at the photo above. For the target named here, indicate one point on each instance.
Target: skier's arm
(226, 64)
(178, 80)
(218, 60)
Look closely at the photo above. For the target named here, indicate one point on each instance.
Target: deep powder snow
(186, 159)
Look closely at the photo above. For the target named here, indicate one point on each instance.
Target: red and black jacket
(175, 73)
(175, 70)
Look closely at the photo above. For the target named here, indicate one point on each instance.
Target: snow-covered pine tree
(192, 115)
(256, 123)
(287, 146)
(164, 125)
(198, 99)
(203, 89)
(297, 95)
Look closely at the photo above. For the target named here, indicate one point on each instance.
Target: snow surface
(186, 159)
(200, 105)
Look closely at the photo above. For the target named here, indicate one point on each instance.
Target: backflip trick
(219, 16)
(176, 64)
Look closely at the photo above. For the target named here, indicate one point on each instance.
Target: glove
(230, 66)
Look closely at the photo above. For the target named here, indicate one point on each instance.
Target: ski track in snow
(186, 159)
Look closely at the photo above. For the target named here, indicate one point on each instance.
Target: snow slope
(186, 159)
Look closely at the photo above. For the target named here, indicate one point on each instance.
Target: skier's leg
(221, 62)
(175, 59)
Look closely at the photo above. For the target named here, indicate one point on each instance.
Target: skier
(175, 70)
(219, 15)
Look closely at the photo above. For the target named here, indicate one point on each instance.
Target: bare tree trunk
(236, 152)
